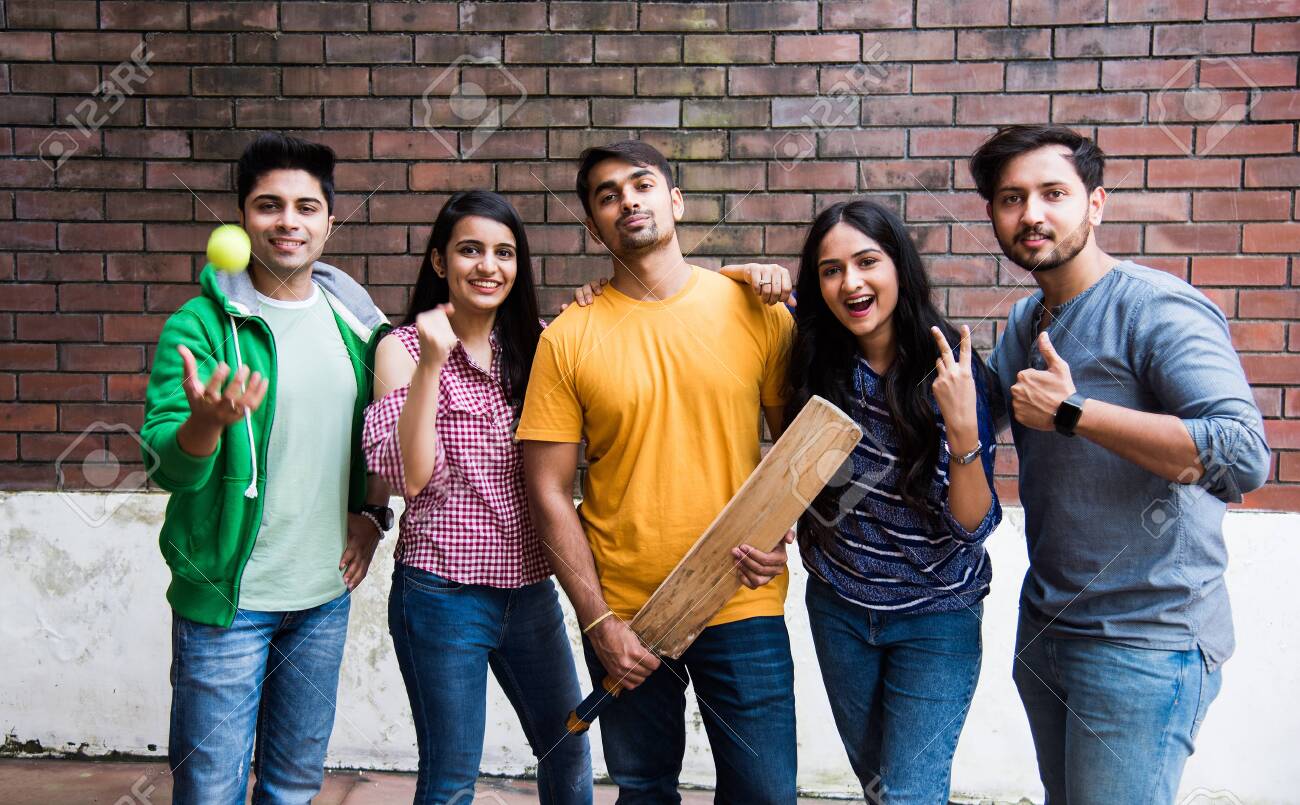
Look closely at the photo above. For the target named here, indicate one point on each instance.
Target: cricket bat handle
(582, 716)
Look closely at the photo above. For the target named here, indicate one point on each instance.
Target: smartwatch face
(1067, 416)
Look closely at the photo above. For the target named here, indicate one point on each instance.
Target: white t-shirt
(295, 559)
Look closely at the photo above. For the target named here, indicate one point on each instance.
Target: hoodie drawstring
(251, 491)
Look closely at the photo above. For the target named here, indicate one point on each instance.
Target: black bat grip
(582, 716)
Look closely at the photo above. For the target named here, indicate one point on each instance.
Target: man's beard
(1063, 252)
(638, 240)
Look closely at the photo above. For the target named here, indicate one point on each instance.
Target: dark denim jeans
(1112, 724)
(271, 674)
(744, 680)
(447, 636)
(900, 687)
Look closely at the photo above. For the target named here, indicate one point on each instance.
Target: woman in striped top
(471, 587)
(894, 546)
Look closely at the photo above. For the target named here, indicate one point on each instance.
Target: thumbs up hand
(1037, 393)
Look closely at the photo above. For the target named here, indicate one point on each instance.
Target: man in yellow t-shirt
(664, 377)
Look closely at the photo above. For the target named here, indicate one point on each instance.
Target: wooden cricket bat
(794, 471)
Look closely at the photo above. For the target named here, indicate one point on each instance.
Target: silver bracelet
(968, 457)
(379, 528)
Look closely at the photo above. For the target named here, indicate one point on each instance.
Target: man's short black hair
(989, 159)
(275, 151)
(633, 152)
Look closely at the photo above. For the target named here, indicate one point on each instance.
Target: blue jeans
(744, 680)
(447, 635)
(273, 675)
(1112, 724)
(900, 686)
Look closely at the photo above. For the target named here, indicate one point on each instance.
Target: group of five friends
(283, 409)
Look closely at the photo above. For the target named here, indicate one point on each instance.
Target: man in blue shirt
(1135, 427)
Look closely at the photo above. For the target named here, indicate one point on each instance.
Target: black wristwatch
(1068, 413)
(381, 516)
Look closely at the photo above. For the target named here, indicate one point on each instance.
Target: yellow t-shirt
(667, 395)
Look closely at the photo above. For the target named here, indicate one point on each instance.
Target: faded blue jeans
(1112, 724)
(447, 636)
(900, 687)
(273, 675)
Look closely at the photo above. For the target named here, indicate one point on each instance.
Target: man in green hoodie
(273, 518)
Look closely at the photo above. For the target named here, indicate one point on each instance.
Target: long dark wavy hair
(824, 352)
(517, 326)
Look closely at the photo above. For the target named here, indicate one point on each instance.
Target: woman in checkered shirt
(471, 586)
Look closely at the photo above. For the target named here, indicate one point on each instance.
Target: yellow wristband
(597, 621)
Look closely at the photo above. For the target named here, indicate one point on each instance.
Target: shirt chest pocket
(475, 424)
(461, 399)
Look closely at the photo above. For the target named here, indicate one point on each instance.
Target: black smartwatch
(1068, 413)
(381, 516)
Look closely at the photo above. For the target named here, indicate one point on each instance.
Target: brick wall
(1195, 101)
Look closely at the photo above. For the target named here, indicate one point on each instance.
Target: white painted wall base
(86, 641)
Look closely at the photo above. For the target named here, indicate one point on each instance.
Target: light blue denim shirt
(1116, 552)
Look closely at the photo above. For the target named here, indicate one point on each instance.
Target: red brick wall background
(1195, 101)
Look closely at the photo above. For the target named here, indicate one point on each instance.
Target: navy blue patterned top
(879, 552)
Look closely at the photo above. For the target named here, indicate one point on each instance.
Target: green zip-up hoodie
(215, 509)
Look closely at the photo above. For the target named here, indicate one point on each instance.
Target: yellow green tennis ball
(229, 248)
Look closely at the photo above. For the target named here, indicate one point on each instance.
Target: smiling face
(632, 207)
(859, 283)
(1041, 212)
(287, 221)
(480, 263)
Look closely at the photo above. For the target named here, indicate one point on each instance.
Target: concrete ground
(79, 782)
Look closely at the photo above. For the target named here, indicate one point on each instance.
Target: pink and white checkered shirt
(470, 523)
